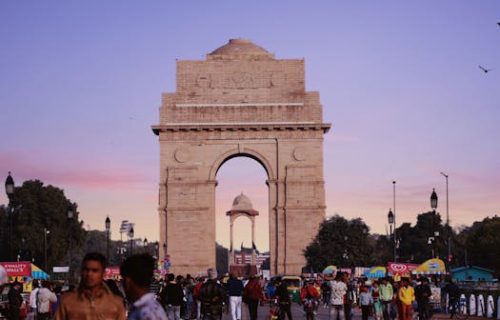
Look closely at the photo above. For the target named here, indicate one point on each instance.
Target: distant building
(472, 273)
(244, 256)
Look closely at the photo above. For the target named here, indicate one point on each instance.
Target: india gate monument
(239, 102)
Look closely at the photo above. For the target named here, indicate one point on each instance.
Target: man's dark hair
(95, 256)
(139, 268)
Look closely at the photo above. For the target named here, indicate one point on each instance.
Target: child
(365, 302)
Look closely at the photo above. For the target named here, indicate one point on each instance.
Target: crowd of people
(138, 295)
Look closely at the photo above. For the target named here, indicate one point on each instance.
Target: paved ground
(322, 314)
(297, 313)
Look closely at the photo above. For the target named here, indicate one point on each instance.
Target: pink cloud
(79, 173)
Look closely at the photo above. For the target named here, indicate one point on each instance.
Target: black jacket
(172, 294)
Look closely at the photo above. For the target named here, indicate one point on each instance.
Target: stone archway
(240, 101)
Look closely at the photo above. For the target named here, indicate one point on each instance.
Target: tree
(416, 244)
(39, 213)
(340, 242)
(478, 244)
(382, 249)
(222, 258)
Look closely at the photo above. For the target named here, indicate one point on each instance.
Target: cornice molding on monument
(247, 126)
(300, 208)
(239, 105)
(173, 182)
(309, 181)
(185, 209)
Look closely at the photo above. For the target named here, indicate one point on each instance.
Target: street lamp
(9, 186)
(430, 242)
(390, 219)
(448, 230)
(45, 233)
(107, 224)
(157, 247)
(434, 204)
(396, 241)
(70, 214)
(131, 237)
(434, 200)
(145, 245)
(9, 190)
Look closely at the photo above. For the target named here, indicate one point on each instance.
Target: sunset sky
(81, 84)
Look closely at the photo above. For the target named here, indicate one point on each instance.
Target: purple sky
(81, 83)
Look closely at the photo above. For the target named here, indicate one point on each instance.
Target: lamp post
(9, 190)
(390, 219)
(70, 213)
(45, 233)
(131, 238)
(107, 225)
(396, 242)
(157, 247)
(448, 230)
(434, 204)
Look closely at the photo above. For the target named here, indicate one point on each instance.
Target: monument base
(243, 270)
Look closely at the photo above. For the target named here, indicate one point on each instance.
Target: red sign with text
(112, 272)
(17, 269)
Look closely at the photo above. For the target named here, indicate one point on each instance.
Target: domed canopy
(239, 48)
(242, 204)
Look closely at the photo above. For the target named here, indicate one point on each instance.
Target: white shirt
(33, 298)
(44, 298)
(339, 290)
(147, 308)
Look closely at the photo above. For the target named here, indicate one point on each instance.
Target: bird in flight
(484, 69)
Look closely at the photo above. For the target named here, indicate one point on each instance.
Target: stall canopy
(37, 273)
(330, 270)
(431, 266)
(375, 272)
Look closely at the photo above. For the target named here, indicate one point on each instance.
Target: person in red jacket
(309, 291)
(309, 296)
(252, 294)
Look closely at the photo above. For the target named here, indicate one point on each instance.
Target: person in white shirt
(33, 293)
(44, 298)
(339, 289)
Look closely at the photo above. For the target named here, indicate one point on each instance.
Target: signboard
(60, 269)
(346, 270)
(112, 272)
(401, 269)
(435, 297)
(17, 269)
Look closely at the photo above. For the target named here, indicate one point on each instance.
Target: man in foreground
(92, 299)
(137, 273)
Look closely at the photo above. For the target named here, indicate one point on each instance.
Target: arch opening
(241, 175)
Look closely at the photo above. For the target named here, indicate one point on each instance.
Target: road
(297, 313)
